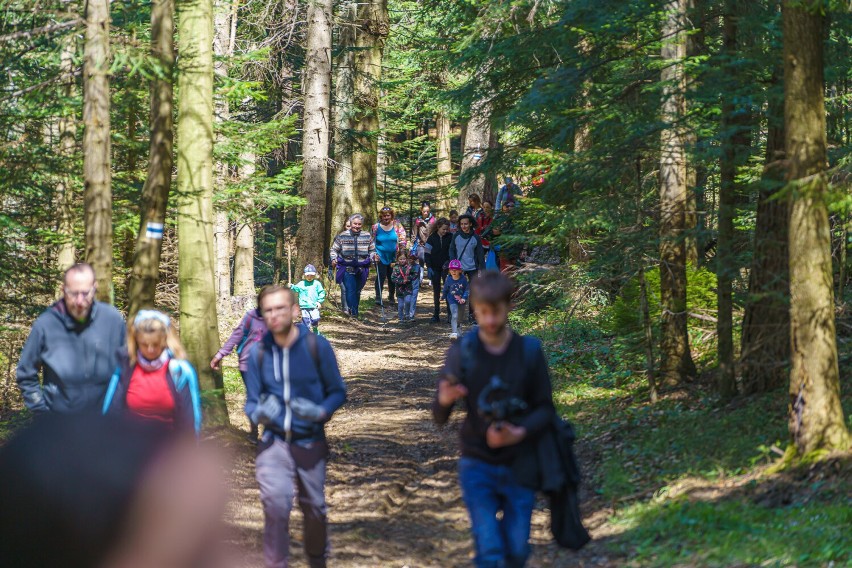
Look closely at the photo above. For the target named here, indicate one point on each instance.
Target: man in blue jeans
(293, 386)
(493, 352)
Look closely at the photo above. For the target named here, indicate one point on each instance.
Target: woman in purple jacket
(251, 330)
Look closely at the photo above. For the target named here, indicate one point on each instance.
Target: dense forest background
(684, 165)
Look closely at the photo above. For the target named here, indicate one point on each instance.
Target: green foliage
(735, 531)
(625, 316)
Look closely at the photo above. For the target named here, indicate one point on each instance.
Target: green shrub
(624, 316)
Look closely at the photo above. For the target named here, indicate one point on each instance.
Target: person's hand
(503, 434)
(462, 301)
(307, 410)
(214, 364)
(334, 263)
(267, 410)
(449, 393)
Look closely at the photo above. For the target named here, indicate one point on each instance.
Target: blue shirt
(386, 244)
(453, 288)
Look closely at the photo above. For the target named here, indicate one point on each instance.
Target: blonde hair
(152, 325)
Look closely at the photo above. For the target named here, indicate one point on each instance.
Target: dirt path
(392, 491)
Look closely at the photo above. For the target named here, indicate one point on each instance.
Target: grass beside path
(685, 482)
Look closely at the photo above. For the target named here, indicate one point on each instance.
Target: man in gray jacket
(74, 344)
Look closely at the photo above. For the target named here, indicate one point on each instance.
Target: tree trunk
(199, 325)
(222, 247)
(244, 254)
(67, 132)
(278, 261)
(816, 416)
(725, 269)
(695, 47)
(476, 140)
(155, 193)
(97, 174)
(765, 353)
(342, 196)
(444, 157)
(315, 133)
(224, 19)
(676, 363)
(372, 31)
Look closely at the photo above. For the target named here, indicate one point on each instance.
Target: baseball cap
(455, 265)
(311, 269)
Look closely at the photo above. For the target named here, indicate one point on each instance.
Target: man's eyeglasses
(80, 294)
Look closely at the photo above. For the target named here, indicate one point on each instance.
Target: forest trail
(392, 491)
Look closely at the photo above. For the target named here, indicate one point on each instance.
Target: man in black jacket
(74, 343)
(490, 355)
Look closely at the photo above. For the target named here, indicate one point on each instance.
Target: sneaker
(454, 336)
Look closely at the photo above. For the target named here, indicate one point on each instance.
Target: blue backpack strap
(110, 393)
(184, 376)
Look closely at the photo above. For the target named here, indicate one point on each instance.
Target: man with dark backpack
(293, 387)
(504, 381)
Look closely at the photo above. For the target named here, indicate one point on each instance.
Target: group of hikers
(81, 359)
(445, 253)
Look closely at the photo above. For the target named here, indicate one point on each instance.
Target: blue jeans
(414, 294)
(403, 307)
(488, 489)
(353, 292)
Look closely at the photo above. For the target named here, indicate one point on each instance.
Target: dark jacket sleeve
(28, 367)
(333, 388)
(441, 414)
(454, 253)
(430, 242)
(480, 253)
(539, 397)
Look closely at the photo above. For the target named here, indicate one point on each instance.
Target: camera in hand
(495, 403)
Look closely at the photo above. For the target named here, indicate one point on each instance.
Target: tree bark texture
(244, 250)
(67, 133)
(155, 193)
(765, 354)
(224, 19)
(198, 315)
(676, 363)
(315, 134)
(97, 173)
(695, 46)
(222, 248)
(816, 416)
(476, 141)
(444, 155)
(371, 34)
(343, 201)
(728, 165)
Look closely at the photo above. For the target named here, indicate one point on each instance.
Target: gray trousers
(280, 480)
